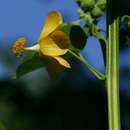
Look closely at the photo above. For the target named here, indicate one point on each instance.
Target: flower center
(19, 48)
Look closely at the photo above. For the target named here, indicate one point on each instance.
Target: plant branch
(112, 66)
(98, 74)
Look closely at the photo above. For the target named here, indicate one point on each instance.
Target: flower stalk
(80, 57)
(112, 66)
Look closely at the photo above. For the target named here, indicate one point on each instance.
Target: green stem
(112, 68)
(98, 74)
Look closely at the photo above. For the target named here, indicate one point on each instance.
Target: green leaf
(2, 126)
(66, 27)
(78, 37)
(33, 63)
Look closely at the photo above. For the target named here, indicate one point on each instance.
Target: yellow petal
(50, 48)
(55, 70)
(53, 21)
(60, 38)
(62, 62)
(53, 67)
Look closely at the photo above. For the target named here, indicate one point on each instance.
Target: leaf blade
(29, 65)
(78, 37)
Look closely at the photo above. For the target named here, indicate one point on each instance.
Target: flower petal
(53, 67)
(53, 21)
(62, 62)
(50, 48)
(60, 38)
(55, 70)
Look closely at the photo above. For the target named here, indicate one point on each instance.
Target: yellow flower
(52, 43)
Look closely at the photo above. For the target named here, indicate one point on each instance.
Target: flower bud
(96, 11)
(101, 4)
(88, 3)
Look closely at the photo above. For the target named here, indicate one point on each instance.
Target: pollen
(18, 46)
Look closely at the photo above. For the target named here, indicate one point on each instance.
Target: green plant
(73, 39)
